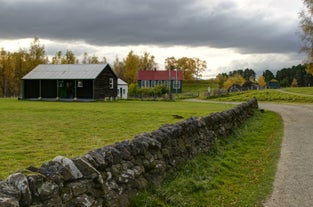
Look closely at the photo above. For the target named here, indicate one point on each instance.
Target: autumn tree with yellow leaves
(261, 81)
(13, 66)
(127, 69)
(191, 67)
(235, 79)
(306, 25)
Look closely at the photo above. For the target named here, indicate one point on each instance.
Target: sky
(227, 34)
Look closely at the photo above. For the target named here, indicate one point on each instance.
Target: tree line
(295, 76)
(14, 65)
(127, 68)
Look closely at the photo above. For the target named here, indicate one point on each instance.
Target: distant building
(235, 88)
(152, 78)
(249, 85)
(273, 84)
(70, 82)
(122, 89)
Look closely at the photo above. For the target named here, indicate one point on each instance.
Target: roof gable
(121, 82)
(66, 71)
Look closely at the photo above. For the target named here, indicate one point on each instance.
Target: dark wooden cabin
(70, 82)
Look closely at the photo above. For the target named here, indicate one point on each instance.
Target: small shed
(249, 85)
(70, 82)
(234, 88)
(272, 84)
(122, 89)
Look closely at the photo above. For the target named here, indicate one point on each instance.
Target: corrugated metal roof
(66, 71)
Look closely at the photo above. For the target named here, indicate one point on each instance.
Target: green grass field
(271, 95)
(296, 95)
(300, 90)
(239, 171)
(201, 86)
(34, 132)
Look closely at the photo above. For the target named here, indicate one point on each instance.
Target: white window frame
(176, 84)
(60, 83)
(80, 84)
(111, 83)
(146, 84)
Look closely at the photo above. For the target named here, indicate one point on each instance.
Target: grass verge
(300, 90)
(268, 95)
(32, 133)
(238, 171)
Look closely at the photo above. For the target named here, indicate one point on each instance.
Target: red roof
(159, 75)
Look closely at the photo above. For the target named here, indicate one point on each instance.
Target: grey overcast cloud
(227, 34)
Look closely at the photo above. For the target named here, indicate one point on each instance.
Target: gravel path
(293, 185)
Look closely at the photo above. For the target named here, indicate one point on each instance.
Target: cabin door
(66, 89)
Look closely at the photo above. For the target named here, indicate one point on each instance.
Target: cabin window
(146, 83)
(79, 83)
(111, 83)
(61, 84)
(153, 83)
(176, 84)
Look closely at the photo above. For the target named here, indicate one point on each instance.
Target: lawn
(300, 90)
(238, 171)
(268, 95)
(201, 86)
(196, 88)
(34, 132)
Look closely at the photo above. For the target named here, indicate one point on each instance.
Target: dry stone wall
(109, 176)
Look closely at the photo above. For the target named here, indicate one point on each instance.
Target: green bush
(161, 90)
(133, 89)
(157, 91)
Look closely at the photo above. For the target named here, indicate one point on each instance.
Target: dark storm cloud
(166, 23)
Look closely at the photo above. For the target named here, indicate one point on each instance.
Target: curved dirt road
(293, 185)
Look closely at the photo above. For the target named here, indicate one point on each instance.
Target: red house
(151, 78)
